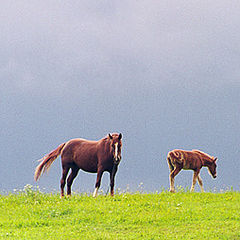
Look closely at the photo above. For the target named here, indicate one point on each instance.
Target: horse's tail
(47, 161)
(171, 167)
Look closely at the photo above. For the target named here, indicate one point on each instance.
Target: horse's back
(187, 159)
(81, 152)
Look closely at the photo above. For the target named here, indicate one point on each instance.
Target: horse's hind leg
(70, 179)
(171, 167)
(171, 178)
(65, 170)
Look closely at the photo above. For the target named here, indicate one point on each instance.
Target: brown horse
(90, 156)
(194, 160)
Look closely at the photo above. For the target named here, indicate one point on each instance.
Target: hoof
(95, 192)
(172, 191)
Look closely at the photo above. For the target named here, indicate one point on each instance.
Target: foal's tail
(47, 161)
(171, 167)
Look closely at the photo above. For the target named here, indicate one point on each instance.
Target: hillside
(31, 214)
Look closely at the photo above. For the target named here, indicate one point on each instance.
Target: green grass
(33, 215)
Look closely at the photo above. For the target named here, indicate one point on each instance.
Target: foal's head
(212, 167)
(116, 146)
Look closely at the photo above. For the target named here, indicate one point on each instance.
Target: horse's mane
(107, 137)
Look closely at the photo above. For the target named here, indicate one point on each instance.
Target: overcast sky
(164, 73)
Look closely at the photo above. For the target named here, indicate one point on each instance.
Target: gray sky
(164, 73)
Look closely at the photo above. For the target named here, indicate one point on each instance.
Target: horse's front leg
(112, 178)
(195, 176)
(98, 182)
(200, 183)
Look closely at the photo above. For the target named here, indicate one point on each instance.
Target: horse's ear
(120, 136)
(215, 159)
(110, 136)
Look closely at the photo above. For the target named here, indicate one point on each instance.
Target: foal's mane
(205, 154)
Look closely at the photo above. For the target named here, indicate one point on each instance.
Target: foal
(194, 160)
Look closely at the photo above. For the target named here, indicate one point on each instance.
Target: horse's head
(115, 146)
(212, 167)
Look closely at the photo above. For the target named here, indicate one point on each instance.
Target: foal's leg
(171, 178)
(98, 182)
(70, 179)
(195, 176)
(200, 183)
(65, 170)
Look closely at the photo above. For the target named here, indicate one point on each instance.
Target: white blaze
(116, 150)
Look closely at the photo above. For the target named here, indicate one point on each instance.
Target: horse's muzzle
(117, 160)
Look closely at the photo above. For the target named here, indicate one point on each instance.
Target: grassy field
(30, 214)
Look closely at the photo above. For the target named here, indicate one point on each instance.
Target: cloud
(56, 46)
(165, 73)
